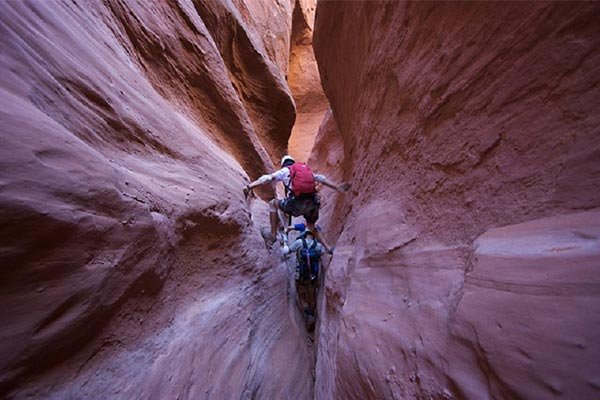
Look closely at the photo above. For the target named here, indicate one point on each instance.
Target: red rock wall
(456, 119)
(272, 24)
(131, 267)
(326, 158)
(259, 82)
(304, 82)
(467, 254)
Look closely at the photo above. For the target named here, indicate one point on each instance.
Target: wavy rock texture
(131, 267)
(468, 251)
(260, 84)
(326, 157)
(305, 83)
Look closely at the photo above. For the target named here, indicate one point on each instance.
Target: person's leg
(310, 310)
(274, 218)
(289, 207)
(311, 297)
(301, 293)
(311, 226)
(311, 215)
(310, 212)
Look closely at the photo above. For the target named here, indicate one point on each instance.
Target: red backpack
(302, 179)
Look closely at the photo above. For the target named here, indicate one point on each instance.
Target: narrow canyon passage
(177, 295)
(467, 251)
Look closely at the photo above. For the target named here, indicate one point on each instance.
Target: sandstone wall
(304, 82)
(467, 251)
(467, 264)
(257, 78)
(131, 267)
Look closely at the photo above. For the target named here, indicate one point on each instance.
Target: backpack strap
(304, 243)
(287, 188)
(307, 253)
(314, 267)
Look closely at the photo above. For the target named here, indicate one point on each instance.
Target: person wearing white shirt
(305, 204)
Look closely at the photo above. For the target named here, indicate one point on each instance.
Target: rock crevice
(466, 264)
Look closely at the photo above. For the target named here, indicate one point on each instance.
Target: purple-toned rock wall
(467, 264)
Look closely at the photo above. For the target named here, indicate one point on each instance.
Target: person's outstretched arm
(260, 181)
(295, 227)
(295, 246)
(343, 187)
(275, 176)
(320, 249)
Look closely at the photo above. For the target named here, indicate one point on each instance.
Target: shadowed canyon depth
(467, 250)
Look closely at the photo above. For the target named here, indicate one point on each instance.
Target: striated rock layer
(468, 252)
(130, 265)
(256, 77)
(304, 82)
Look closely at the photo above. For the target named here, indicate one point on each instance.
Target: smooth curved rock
(304, 82)
(457, 118)
(327, 158)
(131, 266)
(530, 310)
(260, 84)
(467, 251)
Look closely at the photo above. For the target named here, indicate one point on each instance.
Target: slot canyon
(467, 257)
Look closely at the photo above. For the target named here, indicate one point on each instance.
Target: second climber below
(301, 194)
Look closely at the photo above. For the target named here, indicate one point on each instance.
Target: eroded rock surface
(131, 267)
(304, 82)
(467, 251)
(455, 120)
(256, 77)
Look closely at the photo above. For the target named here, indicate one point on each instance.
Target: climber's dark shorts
(305, 205)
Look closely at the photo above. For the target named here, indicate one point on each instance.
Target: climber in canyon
(301, 196)
(308, 259)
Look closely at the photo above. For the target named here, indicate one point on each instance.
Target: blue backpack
(308, 261)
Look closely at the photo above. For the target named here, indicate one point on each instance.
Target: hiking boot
(270, 239)
(282, 237)
(268, 236)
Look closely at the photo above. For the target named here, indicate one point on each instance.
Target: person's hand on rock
(344, 187)
(247, 191)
